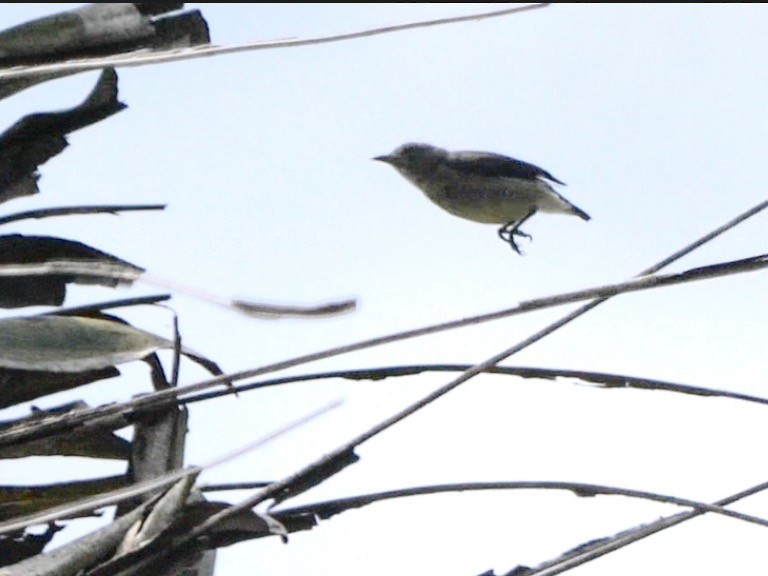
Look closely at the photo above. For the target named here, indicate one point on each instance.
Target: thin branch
(232, 486)
(68, 210)
(142, 58)
(332, 507)
(278, 310)
(603, 547)
(602, 379)
(255, 309)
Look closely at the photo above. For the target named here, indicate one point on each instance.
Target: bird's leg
(512, 229)
(508, 232)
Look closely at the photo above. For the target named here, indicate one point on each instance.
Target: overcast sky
(655, 117)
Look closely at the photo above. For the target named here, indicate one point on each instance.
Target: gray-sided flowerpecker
(482, 186)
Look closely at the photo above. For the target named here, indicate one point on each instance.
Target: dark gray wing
(490, 164)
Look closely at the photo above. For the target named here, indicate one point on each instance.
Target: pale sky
(654, 115)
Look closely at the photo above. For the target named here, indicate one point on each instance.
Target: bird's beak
(387, 159)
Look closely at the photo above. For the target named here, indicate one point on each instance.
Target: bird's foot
(508, 232)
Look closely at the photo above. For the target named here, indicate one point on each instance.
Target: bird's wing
(490, 164)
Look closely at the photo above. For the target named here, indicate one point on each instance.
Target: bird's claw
(512, 229)
(508, 232)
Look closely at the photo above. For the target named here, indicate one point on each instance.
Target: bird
(482, 186)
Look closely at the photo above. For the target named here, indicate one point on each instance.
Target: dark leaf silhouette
(99, 29)
(21, 291)
(37, 138)
(96, 30)
(17, 386)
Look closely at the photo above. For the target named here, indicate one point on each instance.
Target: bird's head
(414, 158)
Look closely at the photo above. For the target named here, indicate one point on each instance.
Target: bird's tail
(565, 206)
(576, 211)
